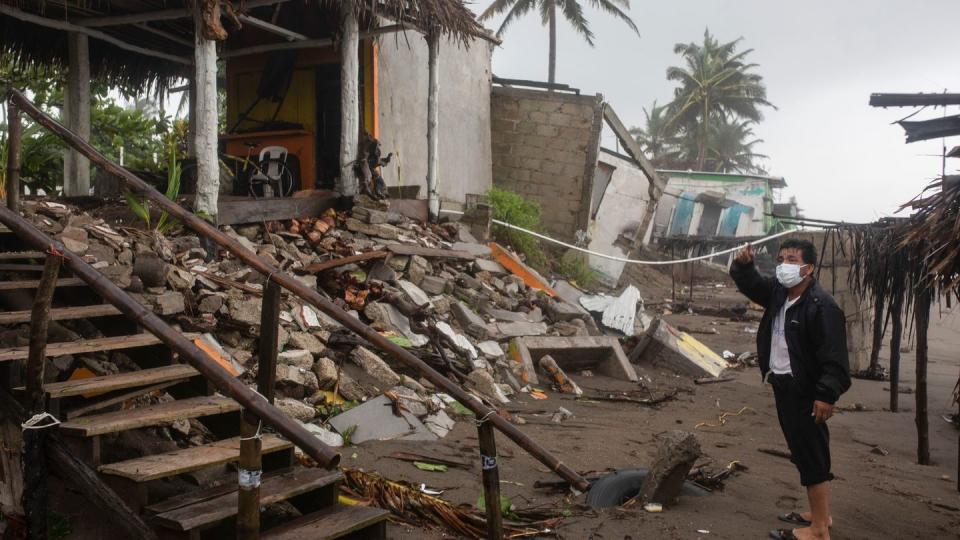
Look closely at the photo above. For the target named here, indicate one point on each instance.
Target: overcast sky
(821, 60)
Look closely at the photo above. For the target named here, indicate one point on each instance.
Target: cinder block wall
(545, 147)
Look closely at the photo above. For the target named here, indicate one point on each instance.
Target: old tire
(618, 487)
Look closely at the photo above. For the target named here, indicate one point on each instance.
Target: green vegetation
(708, 126)
(142, 207)
(514, 209)
(572, 11)
(575, 267)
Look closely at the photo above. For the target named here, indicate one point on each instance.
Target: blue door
(683, 215)
(728, 227)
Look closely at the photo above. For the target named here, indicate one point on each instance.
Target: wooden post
(14, 141)
(349, 98)
(433, 135)
(491, 479)
(205, 141)
(877, 335)
(921, 305)
(76, 98)
(34, 439)
(251, 458)
(248, 478)
(269, 339)
(896, 334)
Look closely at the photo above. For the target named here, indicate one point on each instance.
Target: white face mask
(789, 274)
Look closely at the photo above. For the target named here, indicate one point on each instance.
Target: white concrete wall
(464, 101)
(621, 211)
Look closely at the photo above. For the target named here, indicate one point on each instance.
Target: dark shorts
(809, 442)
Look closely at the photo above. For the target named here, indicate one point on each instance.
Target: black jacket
(815, 331)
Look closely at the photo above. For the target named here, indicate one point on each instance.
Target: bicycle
(247, 175)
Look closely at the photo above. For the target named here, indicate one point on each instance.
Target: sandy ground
(874, 496)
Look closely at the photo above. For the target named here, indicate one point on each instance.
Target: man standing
(802, 350)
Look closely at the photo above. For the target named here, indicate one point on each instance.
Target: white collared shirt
(779, 355)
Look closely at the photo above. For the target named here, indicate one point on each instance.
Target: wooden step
(109, 383)
(33, 284)
(21, 267)
(185, 460)
(62, 314)
(333, 522)
(162, 413)
(87, 346)
(202, 509)
(18, 255)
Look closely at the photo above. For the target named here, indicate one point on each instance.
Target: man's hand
(745, 256)
(822, 411)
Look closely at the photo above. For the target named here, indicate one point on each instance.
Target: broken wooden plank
(109, 383)
(334, 263)
(406, 249)
(34, 283)
(332, 522)
(62, 314)
(94, 406)
(249, 210)
(21, 267)
(273, 489)
(86, 346)
(171, 411)
(184, 460)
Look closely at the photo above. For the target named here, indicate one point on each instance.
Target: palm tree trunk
(704, 129)
(552, 74)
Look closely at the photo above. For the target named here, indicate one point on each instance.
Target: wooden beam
(161, 15)
(272, 28)
(69, 27)
(309, 43)
(333, 263)
(176, 39)
(490, 471)
(632, 147)
(76, 108)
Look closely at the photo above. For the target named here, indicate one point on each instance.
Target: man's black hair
(808, 251)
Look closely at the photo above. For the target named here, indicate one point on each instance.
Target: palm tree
(730, 147)
(716, 82)
(656, 136)
(572, 11)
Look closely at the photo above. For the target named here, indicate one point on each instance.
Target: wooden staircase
(94, 410)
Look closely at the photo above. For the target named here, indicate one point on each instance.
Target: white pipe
(632, 261)
(433, 137)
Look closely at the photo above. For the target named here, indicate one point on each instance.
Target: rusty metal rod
(288, 282)
(224, 382)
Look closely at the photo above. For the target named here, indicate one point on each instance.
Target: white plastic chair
(273, 161)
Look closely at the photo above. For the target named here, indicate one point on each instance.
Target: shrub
(575, 266)
(514, 209)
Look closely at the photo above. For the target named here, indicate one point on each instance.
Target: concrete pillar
(433, 135)
(349, 98)
(205, 139)
(76, 113)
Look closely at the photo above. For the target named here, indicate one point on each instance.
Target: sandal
(794, 518)
(782, 534)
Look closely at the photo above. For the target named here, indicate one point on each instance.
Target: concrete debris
(439, 423)
(386, 317)
(414, 294)
(469, 320)
(459, 341)
(433, 285)
(483, 382)
(665, 346)
(676, 454)
(490, 349)
(296, 409)
(503, 330)
(375, 421)
(601, 355)
(619, 313)
(327, 437)
(375, 367)
(300, 358)
(560, 415)
(558, 378)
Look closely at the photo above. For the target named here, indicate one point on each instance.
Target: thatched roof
(29, 43)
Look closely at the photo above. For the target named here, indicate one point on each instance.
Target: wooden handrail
(300, 289)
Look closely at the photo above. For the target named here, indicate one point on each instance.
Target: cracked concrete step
(162, 413)
(201, 509)
(62, 314)
(184, 460)
(87, 345)
(120, 381)
(34, 283)
(334, 522)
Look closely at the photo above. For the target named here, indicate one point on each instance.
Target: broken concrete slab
(418, 268)
(307, 341)
(439, 423)
(557, 376)
(490, 349)
(244, 310)
(477, 250)
(295, 408)
(484, 383)
(459, 341)
(561, 311)
(327, 437)
(600, 354)
(414, 293)
(472, 323)
(433, 285)
(326, 371)
(387, 317)
(300, 358)
(375, 367)
(296, 382)
(493, 267)
(374, 420)
(676, 454)
(503, 330)
(533, 316)
(665, 346)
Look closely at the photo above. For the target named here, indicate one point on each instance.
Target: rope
(56, 253)
(37, 418)
(256, 435)
(485, 417)
(623, 259)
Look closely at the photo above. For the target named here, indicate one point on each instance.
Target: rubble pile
(432, 289)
